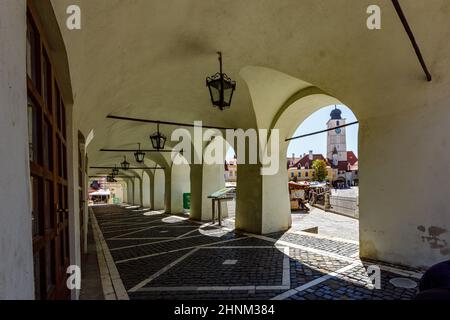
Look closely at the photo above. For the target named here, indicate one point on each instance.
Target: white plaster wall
(125, 191)
(213, 180)
(409, 190)
(73, 194)
(276, 205)
(146, 200)
(16, 252)
(137, 191)
(159, 190)
(130, 191)
(181, 183)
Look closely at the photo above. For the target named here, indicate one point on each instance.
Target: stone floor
(327, 223)
(151, 255)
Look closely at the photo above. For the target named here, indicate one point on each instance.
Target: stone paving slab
(308, 266)
(354, 285)
(253, 266)
(334, 246)
(136, 271)
(192, 260)
(145, 248)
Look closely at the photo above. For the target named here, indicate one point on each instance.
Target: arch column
(196, 191)
(130, 191)
(137, 198)
(146, 190)
(167, 189)
(159, 190)
(125, 191)
(206, 179)
(180, 183)
(262, 201)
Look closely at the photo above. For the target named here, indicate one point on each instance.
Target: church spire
(336, 113)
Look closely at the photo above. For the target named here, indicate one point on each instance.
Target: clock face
(338, 130)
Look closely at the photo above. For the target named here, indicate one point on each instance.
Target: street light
(115, 171)
(158, 140)
(221, 88)
(125, 164)
(139, 155)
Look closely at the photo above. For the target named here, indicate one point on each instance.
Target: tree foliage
(320, 168)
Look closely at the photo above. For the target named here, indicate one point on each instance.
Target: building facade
(342, 165)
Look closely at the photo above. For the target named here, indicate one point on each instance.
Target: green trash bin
(186, 201)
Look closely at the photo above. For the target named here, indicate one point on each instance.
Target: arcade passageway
(151, 255)
(112, 99)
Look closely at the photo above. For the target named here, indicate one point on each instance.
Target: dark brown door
(48, 167)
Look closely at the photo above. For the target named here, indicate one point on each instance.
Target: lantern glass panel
(158, 140)
(139, 156)
(125, 165)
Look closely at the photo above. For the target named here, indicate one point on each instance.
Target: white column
(146, 200)
(16, 250)
(180, 180)
(159, 190)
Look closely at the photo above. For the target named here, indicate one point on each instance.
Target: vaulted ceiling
(149, 59)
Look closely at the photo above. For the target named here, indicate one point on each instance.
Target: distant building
(302, 169)
(342, 165)
(231, 170)
(345, 162)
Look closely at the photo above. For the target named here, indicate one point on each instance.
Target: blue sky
(318, 143)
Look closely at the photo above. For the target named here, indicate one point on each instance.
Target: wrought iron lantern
(221, 88)
(115, 171)
(110, 178)
(139, 155)
(158, 140)
(125, 164)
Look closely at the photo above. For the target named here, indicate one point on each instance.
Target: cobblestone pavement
(159, 256)
(327, 223)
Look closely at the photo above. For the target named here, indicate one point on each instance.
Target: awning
(100, 192)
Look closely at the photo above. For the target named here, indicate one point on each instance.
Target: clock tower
(336, 140)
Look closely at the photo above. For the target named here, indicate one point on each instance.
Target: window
(292, 174)
(33, 54)
(33, 135)
(47, 83)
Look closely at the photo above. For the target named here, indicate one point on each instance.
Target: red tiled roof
(306, 161)
(351, 158)
(342, 165)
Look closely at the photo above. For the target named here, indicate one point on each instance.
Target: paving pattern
(159, 256)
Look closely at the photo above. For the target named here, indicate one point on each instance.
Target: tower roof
(336, 113)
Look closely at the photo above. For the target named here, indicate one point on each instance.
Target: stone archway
(180, 184)
(146, 190)
(159, 190)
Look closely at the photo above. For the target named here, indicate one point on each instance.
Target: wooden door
(48, 167)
